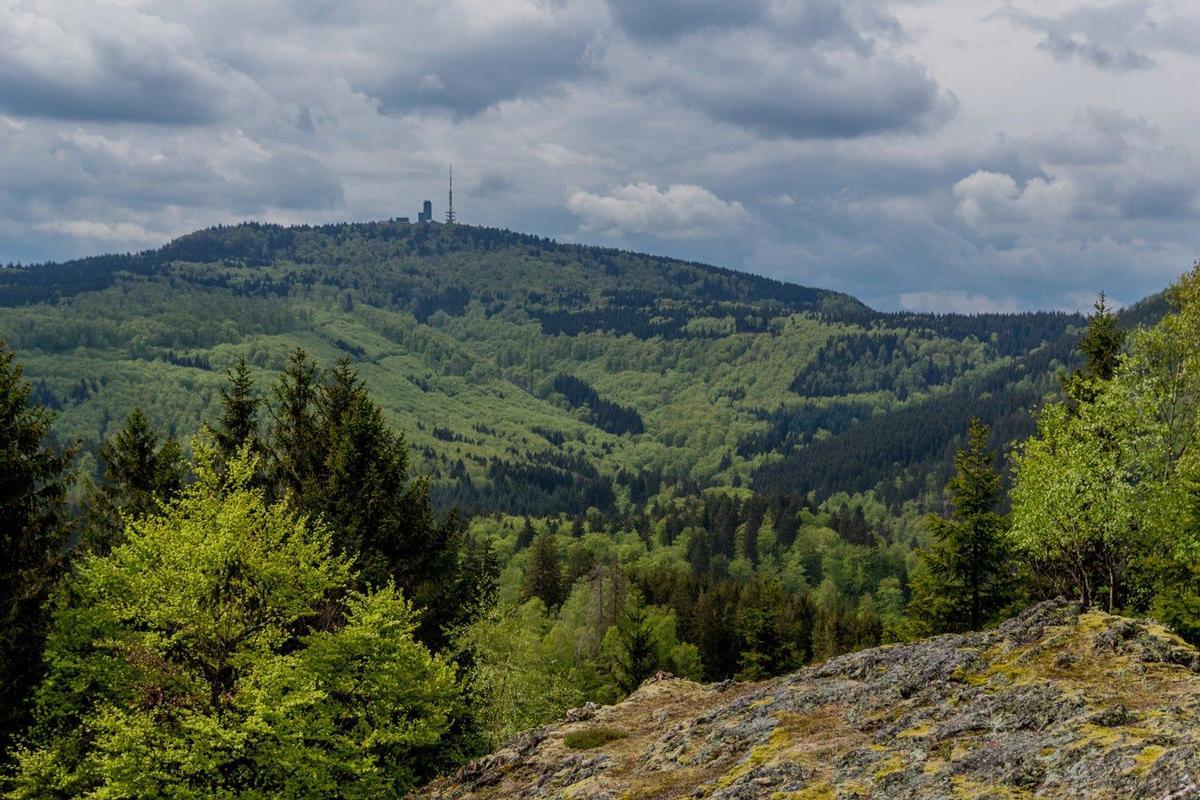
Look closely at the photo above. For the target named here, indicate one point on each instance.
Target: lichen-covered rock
(1052, 704)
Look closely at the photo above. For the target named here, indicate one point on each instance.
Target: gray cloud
(1119, 37)
(107, 63)
(668, 18)
(912, 153)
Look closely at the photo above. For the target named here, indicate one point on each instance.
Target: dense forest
(532, 377)
(325, 512)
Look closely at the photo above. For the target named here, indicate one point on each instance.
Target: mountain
(1053, 703)
(534, 376)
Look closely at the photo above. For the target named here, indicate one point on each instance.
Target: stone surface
(1052, 704)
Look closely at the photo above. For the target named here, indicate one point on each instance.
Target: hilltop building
(426, 214)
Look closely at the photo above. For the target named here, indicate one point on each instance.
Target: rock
(1053, 703)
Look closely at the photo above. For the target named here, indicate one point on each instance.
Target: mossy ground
(1057, 704)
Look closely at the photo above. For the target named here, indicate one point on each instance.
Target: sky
(947, 155)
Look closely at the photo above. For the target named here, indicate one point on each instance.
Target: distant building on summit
(426, 214)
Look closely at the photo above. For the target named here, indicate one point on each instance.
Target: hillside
(534, 376)
(1053, 703)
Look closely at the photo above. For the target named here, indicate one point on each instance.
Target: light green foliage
(1100, 493)
(1079, 497)
(518, 680)
(209, 656)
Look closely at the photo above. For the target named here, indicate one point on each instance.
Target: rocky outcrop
(1052, 704)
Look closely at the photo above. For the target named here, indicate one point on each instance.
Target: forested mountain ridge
(535, 376)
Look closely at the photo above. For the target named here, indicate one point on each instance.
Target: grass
(589, 738)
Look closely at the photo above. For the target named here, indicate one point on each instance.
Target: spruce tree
(544, 577)
(1100, 347)
(961, 583)
(295, 445)
(333, 453)
(33, 540)
(237, 426)
(636, 657)
(140, 472)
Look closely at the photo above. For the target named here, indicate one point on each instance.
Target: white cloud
(682, 211)
(990, 198)
(956, 301)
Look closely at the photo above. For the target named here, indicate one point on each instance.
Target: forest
(529, 376)
(339, 549)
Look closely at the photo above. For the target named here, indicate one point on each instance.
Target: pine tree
(544, 577)
(961, 583)
(140, 473)
(527, 534)
(1100, 347)
(335, 456)
(33, 539)
(238, 423)
(636, 656)
(295, 443)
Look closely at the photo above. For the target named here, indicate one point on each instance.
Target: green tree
(635, 659)
(141, 471)
(1100, 347)
(517, 681)
(334, 455)
(1078, 498)
(295, 441)
(544, 577)
(238, 423)
(221, 651)
(33, 539)
(963, 579)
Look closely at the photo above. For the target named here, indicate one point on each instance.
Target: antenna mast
(450, 212)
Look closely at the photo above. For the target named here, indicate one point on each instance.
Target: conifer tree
(527, 534)
(335, 456)
(962, 583)
(636, 656)
(238, 423)
(1100, 347)
(140, 472)
(33, 540)
(544, 577)
(295, 446)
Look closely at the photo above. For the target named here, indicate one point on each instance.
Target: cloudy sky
(936, 154)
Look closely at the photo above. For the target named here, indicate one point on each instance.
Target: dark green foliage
(237, 427)
(544, 579)
(141, 471)
(776, 629)
(296, 454)
(336, 457)
(965, 580)
(33, 540)
(841, 628)
(527, 535)
(604, 414)
(922, 436)
(636, 657)
(1100, 347)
